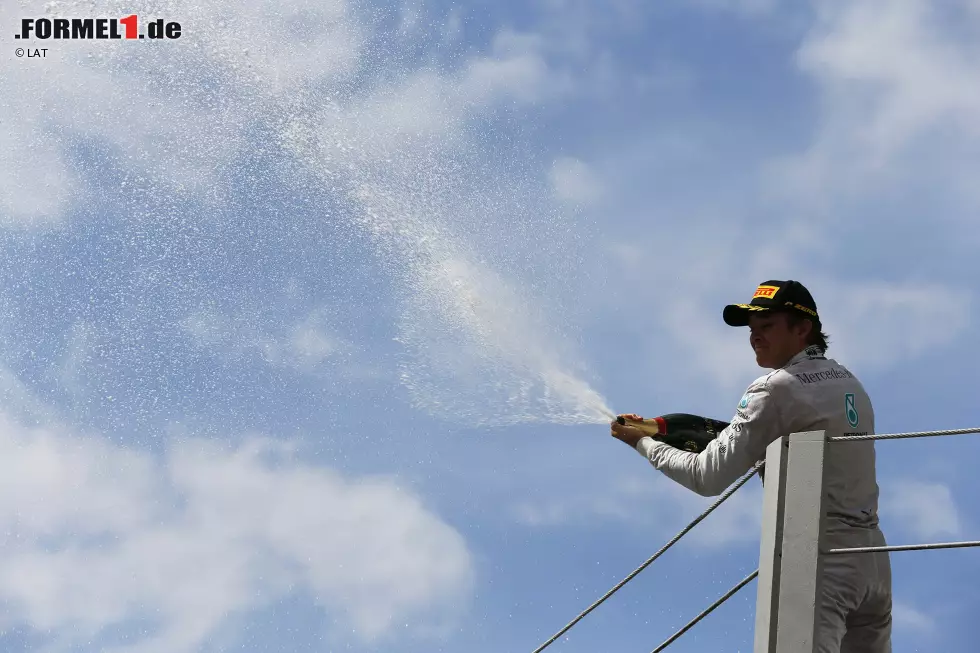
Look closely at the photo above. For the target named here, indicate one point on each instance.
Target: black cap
(770, 296)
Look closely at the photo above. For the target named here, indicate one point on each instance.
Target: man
(805, 392)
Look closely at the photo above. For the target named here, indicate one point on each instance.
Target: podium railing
(791, 544)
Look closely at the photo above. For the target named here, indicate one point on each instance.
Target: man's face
(774, 341)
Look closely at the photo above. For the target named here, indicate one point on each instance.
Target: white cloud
(873, 324)
(303, 346)
(394, 145)
(927, 510)
(152, 112)
(516, 69)
(35, 188)
(898, 111)
(173, 119)
(882, 323)
(906, 617)
(574, 181)
(311, 344)
(899, 96)
(419, 116)
(98, 535)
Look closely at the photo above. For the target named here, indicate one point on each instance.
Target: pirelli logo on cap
(766, 292)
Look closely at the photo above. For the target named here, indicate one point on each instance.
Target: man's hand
(628, 434)
(679, 430)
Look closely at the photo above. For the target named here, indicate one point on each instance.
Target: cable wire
(904, 547)
(901, 436)
(729, 492)
(745, 581)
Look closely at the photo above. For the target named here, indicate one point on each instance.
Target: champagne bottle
(681, 430)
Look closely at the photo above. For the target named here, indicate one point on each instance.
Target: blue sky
(309, 318)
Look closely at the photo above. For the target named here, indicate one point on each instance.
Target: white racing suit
(810, 393)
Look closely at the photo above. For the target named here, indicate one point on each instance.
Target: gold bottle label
(649, 426)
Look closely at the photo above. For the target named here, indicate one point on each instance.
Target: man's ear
(806, 328)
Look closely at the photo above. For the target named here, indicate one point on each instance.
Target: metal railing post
(801, 569)
(771, 546)
(790, 562)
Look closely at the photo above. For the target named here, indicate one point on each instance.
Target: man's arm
(739, 446)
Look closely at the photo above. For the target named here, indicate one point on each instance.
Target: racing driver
(805, 391)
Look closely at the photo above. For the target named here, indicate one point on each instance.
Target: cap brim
(737, 315)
